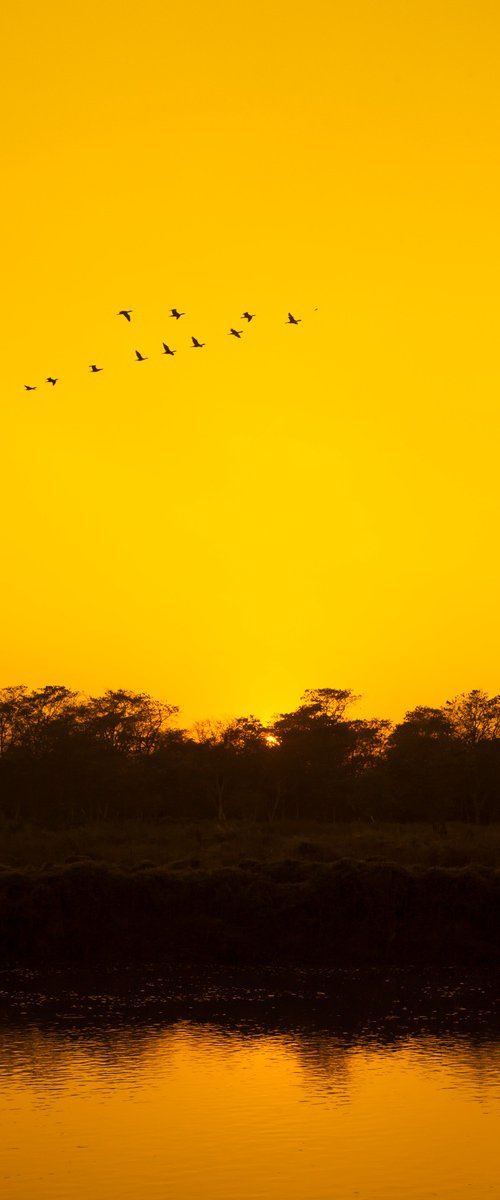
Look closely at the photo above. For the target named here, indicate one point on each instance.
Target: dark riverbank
(389, 1004)
(291, 913)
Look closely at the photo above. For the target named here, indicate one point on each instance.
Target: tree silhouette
(67, 758)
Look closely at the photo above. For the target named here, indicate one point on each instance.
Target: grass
(302, 894)
(206, 845)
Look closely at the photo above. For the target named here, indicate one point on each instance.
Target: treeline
(68, 759)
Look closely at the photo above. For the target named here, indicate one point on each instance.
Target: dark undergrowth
(284, 912)
(209, 844)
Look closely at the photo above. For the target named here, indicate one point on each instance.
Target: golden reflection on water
(190, 1111)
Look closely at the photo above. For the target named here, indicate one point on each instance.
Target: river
(235, 1086)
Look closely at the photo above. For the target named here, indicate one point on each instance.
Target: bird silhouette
(195, 344)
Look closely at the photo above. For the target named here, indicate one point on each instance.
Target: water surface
(238, 1088)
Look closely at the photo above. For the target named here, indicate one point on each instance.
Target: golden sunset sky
(310, 506)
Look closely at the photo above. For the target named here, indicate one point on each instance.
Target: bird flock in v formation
(176, 315)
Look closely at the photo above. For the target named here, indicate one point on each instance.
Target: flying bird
(51, 380)
(196, 344)
(293, 320)
(248, 316)
(95, 369)
(235, 333)
(140, 357)
(125, 312)
(175, 313)
(28, 388)
(167, 350)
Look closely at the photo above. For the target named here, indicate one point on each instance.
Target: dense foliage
(67, 759)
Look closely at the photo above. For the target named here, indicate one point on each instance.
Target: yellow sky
(313, 505)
